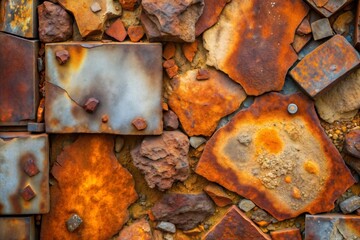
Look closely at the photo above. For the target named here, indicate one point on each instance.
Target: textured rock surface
(246, 205)
(352, 143)
(117, 30)
(286, 234)
(129, 4)
(91, 183)
(138, 230)
(210, 15)
(350, 204)
(171, 121)
(284, 163)
(251, 42)
(235, 225)
(194, 101)
(186, 211)
(218, 195)
(55, 24)
(173, 17)
(163, 159)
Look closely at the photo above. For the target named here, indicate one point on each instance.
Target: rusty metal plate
(235, 225)
(124, 78)
(325, 65)
(24, 173)
(276, 154)
(19, 17)
(19, 228)
(18, 80)
(332, 226)
(328, 9)
(251, 42)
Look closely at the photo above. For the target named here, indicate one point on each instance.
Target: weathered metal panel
(24, 173)
(20, 228)
(19, 17)
(18, 80)
(325, 65)
(328, 8)
(103, 88)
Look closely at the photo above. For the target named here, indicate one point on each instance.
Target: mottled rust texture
(19, 228)
(329, 7)
(210, 15)
(286, 234)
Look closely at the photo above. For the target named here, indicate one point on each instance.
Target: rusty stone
(304, 28)
(139, 123)
(342, 22)
(325, 65)
(91, 105)
(129, 5)
(235, 225)
(40, 111)
(95, 7)
(73, 222)
(188, 93)
(286, 234)
(186, 211)
(352, 143)
(28, 193)
(189, 50)
(100, 181)
(135, 33)
(169, 50)
(353, 162)
(350, 205)
(62, 56)
(218, 195)
(30, 167)
(210, 15)
(257, 57)
(332, 226)
(169, 63)
(202, 74)
(117, 30)
(321, 29)
(172, 71)
(328, 7)
(171, 121)
(138, 230)
(258, 153)
(300, 41)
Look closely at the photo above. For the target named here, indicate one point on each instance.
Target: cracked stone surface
(210, 15)
(99, 192)
(255, 49)
(283, 162)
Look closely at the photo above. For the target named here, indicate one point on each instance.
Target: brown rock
(135, 33)
(171, 121)
(91, 183)
(342, 23)
(328, 7)
(208, 100)
(321, 29)
(267, 155)
(129, 4)
(286, 234)
(235, 225)
(218, 195)
(300, 41)
(304, 28)
(352, 143)
(169, 50)
(138, 230)
(189, 50)
(173, 17)
(169, 63)
(117, 30)
(163, 159)
(202, 74)
(55, 24)
(251, 44)
(186, 211)
(210, 15)
(353, 162)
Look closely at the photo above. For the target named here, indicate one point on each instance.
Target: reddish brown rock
(235, 225)
(352, 143)
(300, 41)
(55, 24)
(328, 7)
(282, 162)
(210, 15)
(169, 63)
(117, 30)
(138, 230)
(186, 211)
(304, 28)
(201, 104)
(171, 121)
(129, 4)
(202, 74)
(163, 159)
(169, 50)
(286, 234)
(92, 184)
(218, 195)
(251, 43)
(135, 33)
(171, 68)
(189, 50)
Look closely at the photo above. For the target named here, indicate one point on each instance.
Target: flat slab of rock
(139, 229)
(251, 43)
(210, 15)
(201, 104)
(286, 234)
(92, 184)
(352, 143)
(235, 225)
(283, 162)
(350, 205)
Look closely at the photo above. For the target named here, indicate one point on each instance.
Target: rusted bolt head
(292, 108)
(27, 193)
(62, 56)
(91, 105)
(202, 74)
(73, 222)
(139, 123)
(105, 118)
(30, 167)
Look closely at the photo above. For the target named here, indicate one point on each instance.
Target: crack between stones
(73, 100)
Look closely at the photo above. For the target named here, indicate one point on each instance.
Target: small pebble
(195, 142)
(246, 205)
(166, 227)
(95, 7)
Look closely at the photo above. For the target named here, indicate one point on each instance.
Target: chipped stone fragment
(210, 15)
(257, 57)
(186, 211)
(171, 121)
(286, 234)
(189, 50)
(139, 229)
(218, 195)
(235, 225)
(135, 33)
(352, 143)
(166, 227)
(202, 74)
(196, 142)
(169, 50)
(300, 41)
(350, 205)
(327, 7)
(129, 4)
(171, 68)
(95, 7)
(342, 23)
(304, 28)
(353, 162)
(206, 111)
(117, 30)
(290, 162)
(246, 205)
(321, 29)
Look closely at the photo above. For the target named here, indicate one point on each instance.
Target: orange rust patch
(269, 139)
(311, 167)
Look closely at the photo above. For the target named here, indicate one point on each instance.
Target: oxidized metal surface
(357, 28)
(125, 79)
(325, 65)
(283, 162)
(92, 184)
(255, 48)
(24, 173)
(19, 17)
(19, 80)
(332, 226)
(352, 143)
(286, 234)
(328, 8)
(235, 225)
(19, 228)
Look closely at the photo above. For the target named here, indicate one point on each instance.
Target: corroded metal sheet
(19, 17)
(251, 42)
(104, 88)
(328, 8)
(325, 65)
(276, 154)
(24, 173)
(19, 228)
(332, 226)
(18, 80)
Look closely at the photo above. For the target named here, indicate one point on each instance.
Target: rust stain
(269, 140)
